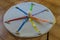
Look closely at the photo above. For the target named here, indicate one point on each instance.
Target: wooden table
(53, 5)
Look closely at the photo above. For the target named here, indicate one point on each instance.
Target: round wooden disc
(28, 30)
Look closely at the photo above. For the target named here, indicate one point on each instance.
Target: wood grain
(53, 5)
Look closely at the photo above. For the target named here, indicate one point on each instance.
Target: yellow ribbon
(34, 26)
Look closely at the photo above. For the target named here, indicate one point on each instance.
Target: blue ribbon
(39, 12)
(21, 10)
(25, 20)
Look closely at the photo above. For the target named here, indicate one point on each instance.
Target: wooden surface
(53, 5)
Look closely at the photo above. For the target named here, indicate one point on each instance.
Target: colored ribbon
(16, 19)
(21, 10)
(33, 24)
(39, 12)
(31, 6)
(25, 20)
(38, 20)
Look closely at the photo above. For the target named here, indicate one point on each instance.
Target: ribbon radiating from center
(33, 24)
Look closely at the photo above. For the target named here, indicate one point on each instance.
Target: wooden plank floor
(53, 5)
